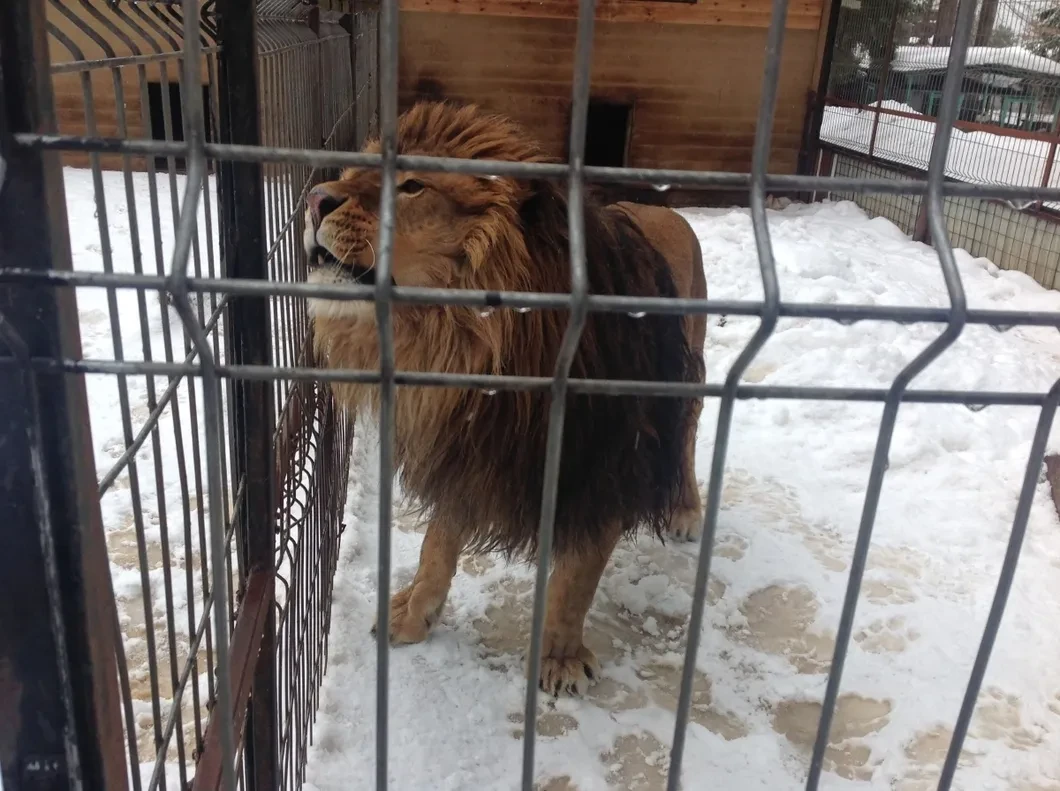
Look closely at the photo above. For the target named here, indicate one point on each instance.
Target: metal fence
(56, 537)
(888, 61)
(231, 491)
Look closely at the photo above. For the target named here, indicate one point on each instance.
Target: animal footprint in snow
(780, 506)
(855, 718)
(779, 621)
(548, 724)
(664, 681)
(997, 718)
(890, 590)
(926, 753)
(731, 546)
(886, 637)
(637, 762)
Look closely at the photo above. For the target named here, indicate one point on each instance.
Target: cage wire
(217, 685)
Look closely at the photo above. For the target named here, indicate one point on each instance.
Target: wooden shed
(116, 72)
(675, 83)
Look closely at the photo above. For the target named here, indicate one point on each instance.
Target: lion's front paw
(412, 615)
(571, 674)
(686, 525)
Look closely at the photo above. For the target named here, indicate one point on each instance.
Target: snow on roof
(923, 58)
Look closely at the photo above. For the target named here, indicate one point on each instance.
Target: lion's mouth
(321, 257)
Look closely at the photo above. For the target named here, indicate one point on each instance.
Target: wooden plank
(686, 115)
(802, 14)
(1052, 473)
(243, 652)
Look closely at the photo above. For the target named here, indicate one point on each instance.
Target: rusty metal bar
(248, 648)
(60, 709)
(253, 419)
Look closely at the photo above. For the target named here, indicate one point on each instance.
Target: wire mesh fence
(884, 92)
(177, 484)
(888, 70)
(226, 661)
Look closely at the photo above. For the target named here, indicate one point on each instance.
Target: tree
(917, 24)
(984, 28)
(1002, 37)
(1043, 33)
(866, 36)
(945, 22)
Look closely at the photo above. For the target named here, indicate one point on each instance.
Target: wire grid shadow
(221, 381)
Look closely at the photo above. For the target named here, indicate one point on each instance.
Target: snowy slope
(1013, 59)
(974, 157)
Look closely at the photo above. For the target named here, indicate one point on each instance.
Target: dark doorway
(607, 134)
(156, 95)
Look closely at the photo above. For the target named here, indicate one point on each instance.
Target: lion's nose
(322, 202)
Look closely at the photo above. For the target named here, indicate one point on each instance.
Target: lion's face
(446, 225)
(342, 233)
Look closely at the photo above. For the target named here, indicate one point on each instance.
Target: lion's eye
(411, 187)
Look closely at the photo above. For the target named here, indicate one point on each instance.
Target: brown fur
(475, 460)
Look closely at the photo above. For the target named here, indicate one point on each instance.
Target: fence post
(60, 708)
(881, 87)
(1050, 161)
(241, 204)
(817, 99)
(348, 21)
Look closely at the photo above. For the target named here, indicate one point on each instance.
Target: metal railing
(250, 369)
(885, 87)
(247, 545)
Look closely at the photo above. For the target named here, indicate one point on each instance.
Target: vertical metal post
(244, 255)
(881, 87)
(958, 314)
(579, 297)
(349, 22)
(816, 101)
(1050, 159)
(60, 714)
(770, 313)
(388, 87)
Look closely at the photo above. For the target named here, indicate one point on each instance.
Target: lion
(473, 460)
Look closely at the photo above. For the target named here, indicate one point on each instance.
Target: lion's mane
(474, 459)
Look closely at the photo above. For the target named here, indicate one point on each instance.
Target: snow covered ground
(794, 485)
(974, 157)
(174, 506)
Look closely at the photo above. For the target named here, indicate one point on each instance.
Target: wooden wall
(86, 32)
(694, 84)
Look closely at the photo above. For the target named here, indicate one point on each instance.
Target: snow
(921, 58)
(974, 157)
(179, 436)
(794, 487)
(795, 480)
